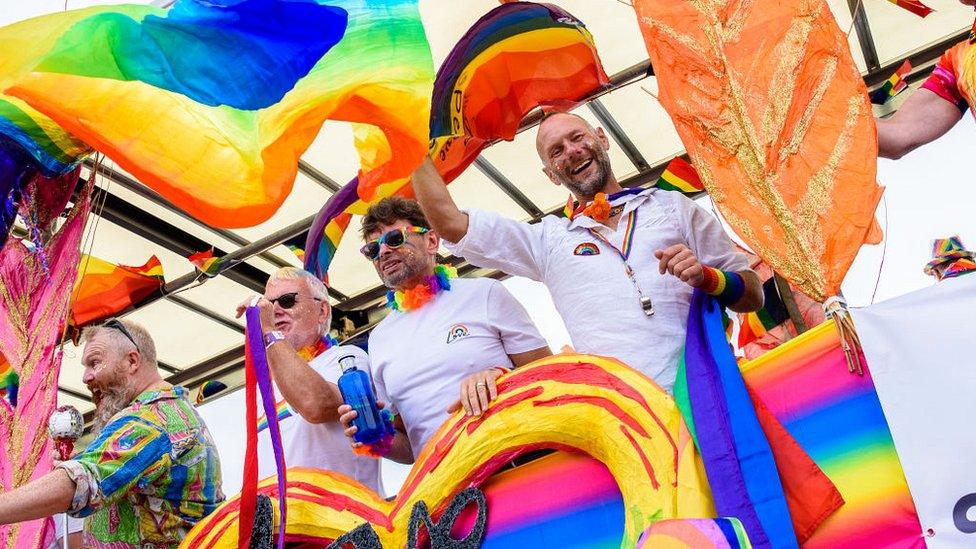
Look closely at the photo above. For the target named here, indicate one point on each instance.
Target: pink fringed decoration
(33, 309)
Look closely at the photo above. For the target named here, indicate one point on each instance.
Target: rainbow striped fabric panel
(283, 411)
(837, 419)
(720, 533)
(206, 106)
(517, 57)
(535, 505)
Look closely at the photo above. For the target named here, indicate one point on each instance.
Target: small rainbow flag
(913, 6)
(754, 325)
(892, 86)
(9, 382)
(106, 289)
(297, 246)
(680, 176)
(205, 262)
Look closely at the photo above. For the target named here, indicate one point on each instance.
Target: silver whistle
(647, 306)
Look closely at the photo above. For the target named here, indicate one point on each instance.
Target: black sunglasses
(116, 325)
(287, 301)
(392, 239)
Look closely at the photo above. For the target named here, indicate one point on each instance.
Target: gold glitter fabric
(33, 309)
(776, 119)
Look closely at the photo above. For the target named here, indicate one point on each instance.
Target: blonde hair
(143, 341)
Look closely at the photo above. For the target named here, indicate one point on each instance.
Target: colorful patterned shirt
(149, 476)
(954, 76)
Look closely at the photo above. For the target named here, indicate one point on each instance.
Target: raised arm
(440, 209)
(923, 118)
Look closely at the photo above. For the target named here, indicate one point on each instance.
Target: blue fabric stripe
(246, 54)
(752, 449)
(136, 465)
(177, 481)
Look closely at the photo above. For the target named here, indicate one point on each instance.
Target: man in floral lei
(445, 340)
(304, 363)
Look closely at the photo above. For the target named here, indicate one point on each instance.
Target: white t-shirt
(317, 445)
(75, 525)
(420, 357)
(588, 280)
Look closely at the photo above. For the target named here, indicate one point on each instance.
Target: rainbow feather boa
(418, 296)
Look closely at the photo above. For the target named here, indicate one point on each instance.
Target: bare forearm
(520, 359)
(441, 211)
(752, 299)
(46, 496)
(306, 392)
(923, 118)
(400, 450)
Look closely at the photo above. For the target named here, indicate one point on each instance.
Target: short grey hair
(315, 287)
(143, 341)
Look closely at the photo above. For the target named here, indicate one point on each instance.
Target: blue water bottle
(357, 391)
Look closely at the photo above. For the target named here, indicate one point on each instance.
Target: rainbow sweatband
(727, 287)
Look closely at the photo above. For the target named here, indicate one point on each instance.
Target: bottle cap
(347, 363)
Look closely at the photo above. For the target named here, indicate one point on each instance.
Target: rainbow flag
(837, 419)
(893, 85)
(754, 325)
(9, 382)
(205, 262)
(913, 6)
(212, 103)
(105, 289)
(738, 458)
(680, 176)
(517, 57)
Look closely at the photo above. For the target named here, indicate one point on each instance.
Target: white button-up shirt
(588, 280)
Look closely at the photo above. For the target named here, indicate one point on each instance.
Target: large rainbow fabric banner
(533, 505)
(837, 419)
(517, 57)
(209, 109)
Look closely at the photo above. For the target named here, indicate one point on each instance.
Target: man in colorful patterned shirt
(937, 106)
(152, 471)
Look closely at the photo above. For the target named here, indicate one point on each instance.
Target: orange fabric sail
(776, 118)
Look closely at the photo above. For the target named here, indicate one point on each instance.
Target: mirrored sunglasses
(392, 239)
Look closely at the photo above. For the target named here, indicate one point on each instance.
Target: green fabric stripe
(682, 400)
(766, 319)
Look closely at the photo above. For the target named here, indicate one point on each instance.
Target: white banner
(921, 349)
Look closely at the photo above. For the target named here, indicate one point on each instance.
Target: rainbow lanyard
(624, 252)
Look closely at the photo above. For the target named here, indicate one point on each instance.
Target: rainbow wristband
(727, 287)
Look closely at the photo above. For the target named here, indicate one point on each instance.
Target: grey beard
(112, 403)
(592, 185)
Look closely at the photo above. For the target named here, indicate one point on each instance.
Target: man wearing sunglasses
(152, 471)
(304, 363)
(446, 341)
(621, 269)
